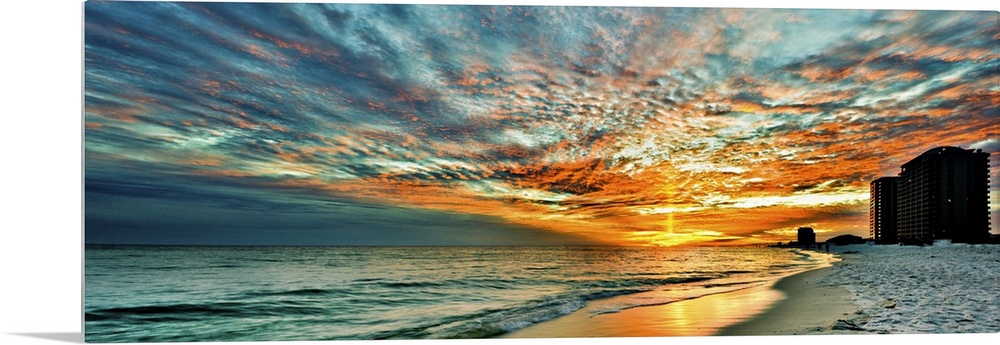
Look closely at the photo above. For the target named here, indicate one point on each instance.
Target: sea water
(198, 293)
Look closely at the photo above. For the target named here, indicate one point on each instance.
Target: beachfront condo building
(806, 236)
(941, 194)
(882, 210)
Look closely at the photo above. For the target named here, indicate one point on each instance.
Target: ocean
(199, 293)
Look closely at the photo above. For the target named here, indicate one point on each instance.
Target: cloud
(592, 122)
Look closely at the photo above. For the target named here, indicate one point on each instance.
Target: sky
(345, 124)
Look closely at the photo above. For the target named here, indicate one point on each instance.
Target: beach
(355, 293)
(790, 304)
(806, 306)
(946, 288)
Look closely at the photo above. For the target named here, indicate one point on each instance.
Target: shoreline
(788, 305)
(807, 307)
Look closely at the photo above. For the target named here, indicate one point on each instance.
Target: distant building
(941, 194)
(806, 237)
(882, 210)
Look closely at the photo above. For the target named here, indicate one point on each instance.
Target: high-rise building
(882, 210)
(941, 194)
(806, 236)
(944, 194)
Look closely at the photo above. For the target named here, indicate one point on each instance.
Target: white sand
(944, 288)
(941, 289)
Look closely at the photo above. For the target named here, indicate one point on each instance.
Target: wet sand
(808, 307)
(795, 304)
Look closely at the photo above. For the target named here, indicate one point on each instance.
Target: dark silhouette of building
(882, 210)
(806, 236)
(941, 194)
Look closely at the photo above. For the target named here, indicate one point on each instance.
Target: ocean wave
(295, 292)
(732, 283)
(705, 290)
(485, 283)
(508, 320)
(392, 294)
(499, 322)
(196, 312)
(543, 268)
(649, 283)
(494, 322)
